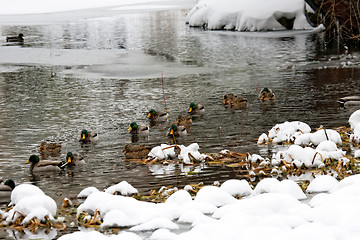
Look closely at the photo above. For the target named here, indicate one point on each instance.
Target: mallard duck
(177, 131)
(72, 160)
(44, 165)
(349, 101)
(138, 129)
(87, 136)
(233, 101)
(136, 151)
(156, 116)
(50, 149)
(19, 38)
(6, 188)
(184, 120)
(266, 94)
(196, 109)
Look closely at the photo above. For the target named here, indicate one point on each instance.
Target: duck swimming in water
(138, 129)
(196, 109)
(87, 136)
(266, 94)
(44, 165)
(349, 101)
(177, 131)
(49, 149)
(156, 116)
(233, 101)
(6, 188)
(19, 38)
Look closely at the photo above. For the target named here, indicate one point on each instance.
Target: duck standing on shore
(19, 38)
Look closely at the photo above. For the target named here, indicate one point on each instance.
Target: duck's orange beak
(83, 136)
(27, 161)
(130, 128)
(190, 110)
(171, 132)
(69, 159)
(149, 115)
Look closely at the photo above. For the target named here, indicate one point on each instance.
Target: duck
(50, 149)
(184, 120)
(233, 101)
(349, 101)
(136, 151)
(138, 129)
(6, 188)
(266, 94)
(19, 38)
(196, 109)
(177, 130)
(44, 165)
(156, 116)
(87, 136)
(72, 160)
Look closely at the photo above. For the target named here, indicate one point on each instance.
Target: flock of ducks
(52, 149)
(177, 129)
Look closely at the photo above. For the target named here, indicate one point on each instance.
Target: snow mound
(124, 188)
(248, 15)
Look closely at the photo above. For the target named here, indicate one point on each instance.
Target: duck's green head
(266, 90)
(133, 126)
(192, 107)
(10, 183)
(84, 134)
(152, 112)
(69, 157)
(33, 159)
(173, 128)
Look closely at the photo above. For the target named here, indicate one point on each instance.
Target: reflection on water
(38, 103)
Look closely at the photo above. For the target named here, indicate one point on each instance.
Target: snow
(247, 15)
(30, 201)
(237, 187)
(354, 119)
(322, 183)
(124, 188)
(87, 191)
(43, 6)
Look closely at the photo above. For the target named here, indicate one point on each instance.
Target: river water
(103, 73)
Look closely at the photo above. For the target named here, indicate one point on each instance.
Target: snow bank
(247, 15)
(31, 202)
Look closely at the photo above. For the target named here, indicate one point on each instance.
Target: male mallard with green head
(72, 160)
(19, 38)
(87, 136)
(138, 129)
(44, 165)
(6, 188)
(266, 94)
(196, 109)
(177, 131)
(156, 116)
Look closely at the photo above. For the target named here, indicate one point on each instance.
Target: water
(101, 74)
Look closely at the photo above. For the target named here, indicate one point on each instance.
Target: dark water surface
(111, 76)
